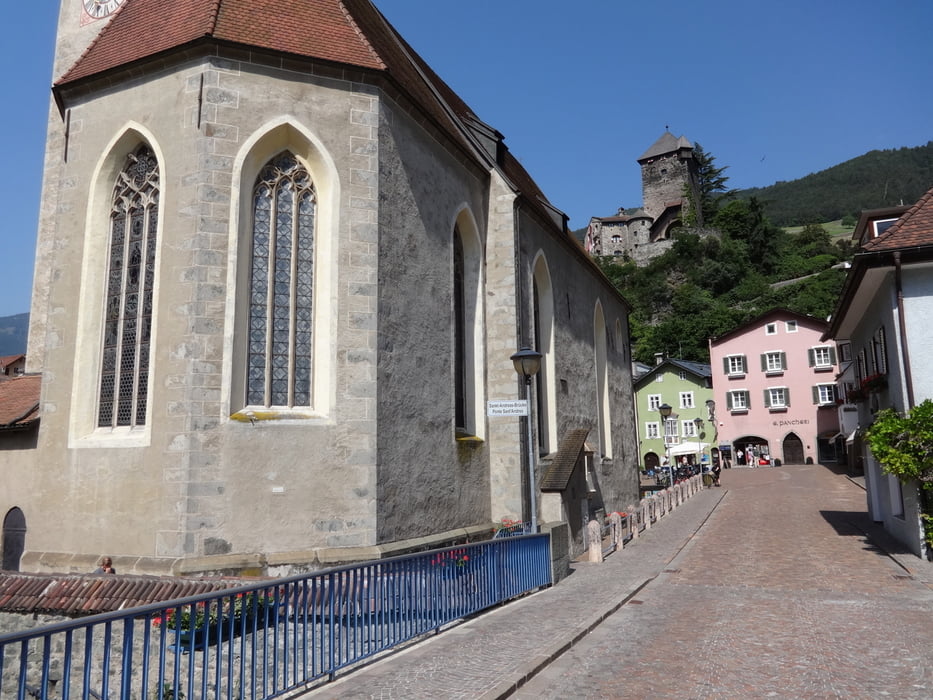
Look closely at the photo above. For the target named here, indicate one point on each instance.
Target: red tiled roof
(19, 401)
(89, 594)
(321, 29)
(913, 229)
(7, 359)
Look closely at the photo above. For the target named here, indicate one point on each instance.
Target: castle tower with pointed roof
(666, 169)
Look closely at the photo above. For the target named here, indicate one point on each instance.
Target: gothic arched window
(280, 285)
(134, 219)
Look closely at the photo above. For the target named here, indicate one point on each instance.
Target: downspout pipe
(902, 328)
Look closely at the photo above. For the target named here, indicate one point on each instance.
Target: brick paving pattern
(765, 588)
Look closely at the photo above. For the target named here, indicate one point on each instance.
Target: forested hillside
(876, 179)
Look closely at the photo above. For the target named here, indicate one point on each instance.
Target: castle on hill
(668, 171)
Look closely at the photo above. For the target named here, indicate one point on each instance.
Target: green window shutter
(816, 394)
(832, 355)
(783, 360)
(767, 396)
(883, 351)
(748, 402)
(744, 365)
(787, 397)
(725, 365)
(728, 400)
(811, 356)
(764, 362)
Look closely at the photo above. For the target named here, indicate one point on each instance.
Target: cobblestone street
(768, 587)
(777, 595)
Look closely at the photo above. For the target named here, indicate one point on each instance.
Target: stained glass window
(281, 282)
(124, 382)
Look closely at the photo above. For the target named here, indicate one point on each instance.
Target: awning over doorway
(687, 448)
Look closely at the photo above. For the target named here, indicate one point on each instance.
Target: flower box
(206, 623)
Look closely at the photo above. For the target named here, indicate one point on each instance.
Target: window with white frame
(686, 399)
(670, 431)
(824, 394)
(734, 365)
(652, 430)
(790, 326)
(659, 377)
(773, 362)
(682, 375)
(770, 328)
(688, 428)
(822, 357)
(777, 398)
(654, 401)
(737, 401)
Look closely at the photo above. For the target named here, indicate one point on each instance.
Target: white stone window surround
(790, 326)
(738, 400)
(686, 399)
(688, 428)
(652, 430)
(735, 365)
(654, 401)
(825, 394)
(276, 137)
(83, 431)
(777, 398)
(770, 328)
(773, 361)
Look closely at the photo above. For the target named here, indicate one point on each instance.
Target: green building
(690, 428)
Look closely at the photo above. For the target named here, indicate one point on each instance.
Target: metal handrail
(262, 640)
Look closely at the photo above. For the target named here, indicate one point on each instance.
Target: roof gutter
(902, 328)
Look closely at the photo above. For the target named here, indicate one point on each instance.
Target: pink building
(774, 382)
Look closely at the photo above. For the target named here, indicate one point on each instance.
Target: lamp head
(527, 362)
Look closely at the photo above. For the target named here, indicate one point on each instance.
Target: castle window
(281, 283)
(124, 379)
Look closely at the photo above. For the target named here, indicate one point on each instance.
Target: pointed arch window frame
(123, 384)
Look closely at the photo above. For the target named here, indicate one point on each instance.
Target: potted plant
(209, 622)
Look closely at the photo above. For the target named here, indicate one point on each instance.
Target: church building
(281, 269)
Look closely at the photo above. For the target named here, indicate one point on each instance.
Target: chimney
(658, 358)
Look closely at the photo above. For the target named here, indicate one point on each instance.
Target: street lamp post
(527, 362)
(665, 410)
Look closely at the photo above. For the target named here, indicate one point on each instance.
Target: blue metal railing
(261, 641)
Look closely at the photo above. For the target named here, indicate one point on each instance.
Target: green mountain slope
(876, 179)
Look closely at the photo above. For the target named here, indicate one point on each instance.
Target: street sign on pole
(507, 408)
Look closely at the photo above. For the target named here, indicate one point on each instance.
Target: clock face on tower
(98, 9)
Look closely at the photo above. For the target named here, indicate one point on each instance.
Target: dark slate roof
(667, 143)
(558, 474)
(19, 401)
(88, 594)
(912, 230)
(698, 369)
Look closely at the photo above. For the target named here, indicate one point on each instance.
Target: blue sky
(774, 91)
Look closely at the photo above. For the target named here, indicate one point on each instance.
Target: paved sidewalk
(494, 653)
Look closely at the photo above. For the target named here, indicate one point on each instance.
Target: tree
(710, 191)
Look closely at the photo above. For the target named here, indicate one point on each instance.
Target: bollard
(594, 537)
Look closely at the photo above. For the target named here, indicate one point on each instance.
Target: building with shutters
(774, 383)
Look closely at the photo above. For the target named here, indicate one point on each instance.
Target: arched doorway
(14, 538)
(793, 449)
(652, 461)
(749, 450)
